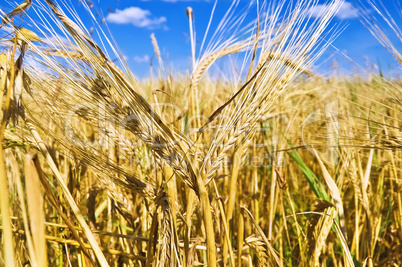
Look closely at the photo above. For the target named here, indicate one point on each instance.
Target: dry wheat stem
(98, 252)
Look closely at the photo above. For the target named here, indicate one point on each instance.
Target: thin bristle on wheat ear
(385, 29)
(258, 94)
(145, 118)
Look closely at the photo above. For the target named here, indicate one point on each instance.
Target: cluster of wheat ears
(272, 165)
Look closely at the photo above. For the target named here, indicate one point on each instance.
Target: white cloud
(346, 11)
(317, 11)
(143, 59)
(138, 17)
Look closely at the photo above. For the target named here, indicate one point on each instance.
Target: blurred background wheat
(280, 166)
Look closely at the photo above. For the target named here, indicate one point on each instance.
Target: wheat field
(276, 165)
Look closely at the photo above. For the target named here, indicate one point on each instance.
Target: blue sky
(168, 21)
(131, 22)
